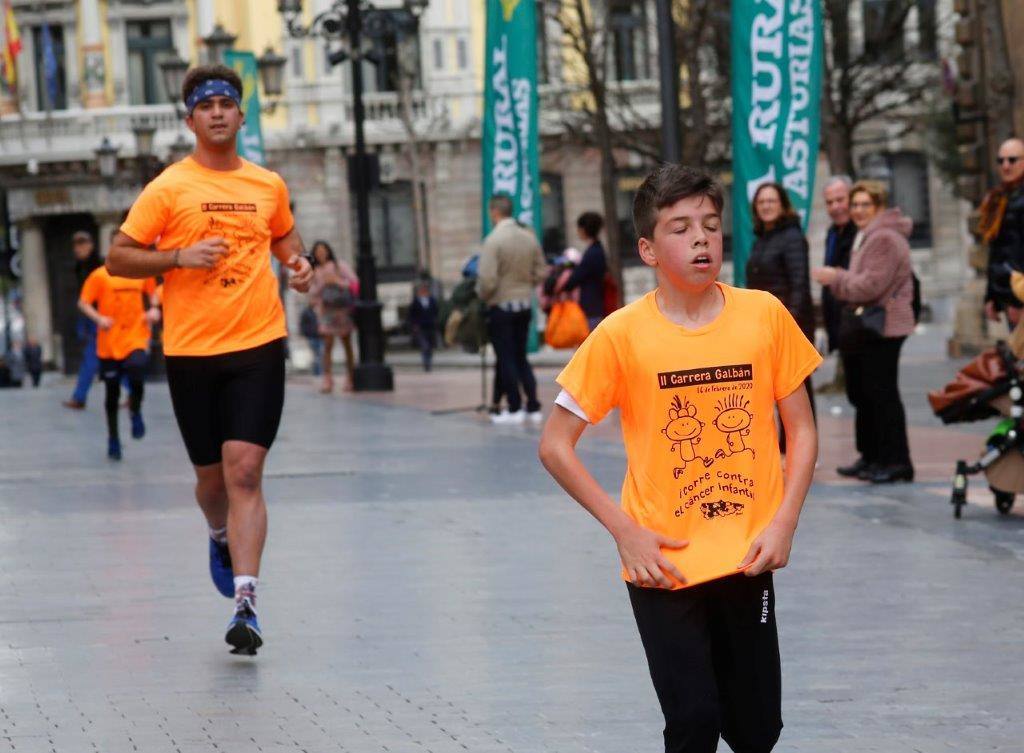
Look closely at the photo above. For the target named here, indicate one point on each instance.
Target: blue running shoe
(114, 449)
(244, 630)
(220, 569)
(138, 426)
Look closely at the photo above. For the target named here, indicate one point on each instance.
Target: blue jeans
(316, 344)
(90, 362)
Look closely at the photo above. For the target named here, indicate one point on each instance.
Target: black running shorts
(236, 395)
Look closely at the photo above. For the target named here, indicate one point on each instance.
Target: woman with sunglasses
(1002, 227)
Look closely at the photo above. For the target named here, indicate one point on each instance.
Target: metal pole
(371, 374)
(668, 73)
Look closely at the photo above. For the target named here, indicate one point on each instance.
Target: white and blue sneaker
(244, 630)
(220, 568)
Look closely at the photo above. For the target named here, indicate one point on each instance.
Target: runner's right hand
(203, 255)
(640, 550)
(105, 323)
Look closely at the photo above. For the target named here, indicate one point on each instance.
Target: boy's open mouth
(703, 260)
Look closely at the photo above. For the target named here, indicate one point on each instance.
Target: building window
(393, 228)
(927, 30)
(906, 175)
(552, 209)
(149, 42)
(51, 81)
(297, 66)
(543, 74)
(462, 51)
(388, 47)
(438, 54)
(627, 22)
(883, 37)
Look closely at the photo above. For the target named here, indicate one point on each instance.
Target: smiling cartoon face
(683, 424)
(733, 414)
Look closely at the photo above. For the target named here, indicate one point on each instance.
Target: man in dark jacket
(1002, 228)
(838, 244)
(589, 273)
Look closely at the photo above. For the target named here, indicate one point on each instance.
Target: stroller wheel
(1004, 501)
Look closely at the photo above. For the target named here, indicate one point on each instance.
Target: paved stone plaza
(428, 588)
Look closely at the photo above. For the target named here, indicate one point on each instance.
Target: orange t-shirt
(235, 305)
(120, 299)
(698, 419)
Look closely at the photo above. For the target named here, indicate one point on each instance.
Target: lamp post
(219, 41)
(106, 158)
(144, 132)
(668, 73)
(173, 70)
(344, 21)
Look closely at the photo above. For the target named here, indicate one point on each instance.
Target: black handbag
(860, 326)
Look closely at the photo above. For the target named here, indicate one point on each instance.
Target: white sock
(242, 581)
(220, 535)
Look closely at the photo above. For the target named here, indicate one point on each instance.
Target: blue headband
(215, 87)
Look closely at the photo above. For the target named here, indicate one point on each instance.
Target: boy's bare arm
(289, 250)
(128, 258)
(639, 548)
(770, 550)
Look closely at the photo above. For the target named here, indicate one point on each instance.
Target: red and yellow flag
(12, 44)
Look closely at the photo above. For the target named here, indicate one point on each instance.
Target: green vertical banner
(511, 155)
(776, 117)
(250, 137)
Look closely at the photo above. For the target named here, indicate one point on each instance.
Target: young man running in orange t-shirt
(215, 218)
(122, 310)
(696, 369)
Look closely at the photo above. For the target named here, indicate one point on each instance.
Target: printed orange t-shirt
(235, 305)
(698, 419)
(120, 299)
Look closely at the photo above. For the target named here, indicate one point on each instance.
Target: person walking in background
(122, 310)
(32, 354)
(589, 273)
(423, 313)
(880, 284)
(333, 297)
(1002, 228)
(511, 265)
(87, 258)
(838, 243)
(309, 328)
(779, 263)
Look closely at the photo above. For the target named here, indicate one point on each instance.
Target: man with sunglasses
(1002, 228)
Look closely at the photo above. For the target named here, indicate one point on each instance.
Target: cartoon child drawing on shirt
(684, 430)
(733, 420)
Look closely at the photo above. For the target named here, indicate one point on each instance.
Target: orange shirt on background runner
(698, 419)
(236, 305)
(121, 300)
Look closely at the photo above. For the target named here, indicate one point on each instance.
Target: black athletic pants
(713, 654)
(112, 372)
(509, 332)
(872, 387)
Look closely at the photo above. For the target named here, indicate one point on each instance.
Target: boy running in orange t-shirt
(215, 219)
(696, 369)
(122, 310)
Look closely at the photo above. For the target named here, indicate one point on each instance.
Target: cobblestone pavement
(427, 588)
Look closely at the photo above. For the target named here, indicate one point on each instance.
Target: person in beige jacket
(511, 266)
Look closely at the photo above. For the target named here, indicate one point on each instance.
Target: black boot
(852, 470)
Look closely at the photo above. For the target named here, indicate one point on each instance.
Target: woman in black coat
(779, 260)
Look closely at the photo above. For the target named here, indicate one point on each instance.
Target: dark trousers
(112, 372)
(713, 654)
(872, 387)
(424, 340)
(509, 332)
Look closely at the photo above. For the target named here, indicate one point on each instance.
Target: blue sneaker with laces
(138, 426)
(243, 633)
(114, 449)
(220, 569)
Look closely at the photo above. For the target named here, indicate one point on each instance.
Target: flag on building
(49, 67)
(776, 118)
(511, 156)
(11, 44)
(250, 136)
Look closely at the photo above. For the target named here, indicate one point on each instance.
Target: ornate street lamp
(106, 157)
(144, 132)
(344, 21)
(180, 149)
(219, 41)
(173, 70)
(271, 66)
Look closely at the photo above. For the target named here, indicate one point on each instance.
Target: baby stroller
(990, 385)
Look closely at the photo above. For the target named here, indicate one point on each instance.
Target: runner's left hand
(302, 273)
(769, 551)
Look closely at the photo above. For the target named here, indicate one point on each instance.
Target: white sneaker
(535, 415)
(508, 418)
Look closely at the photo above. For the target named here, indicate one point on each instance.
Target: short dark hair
(591, 223)
(667, 185)
(789, 214)
(502, 204)
(203, 73)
